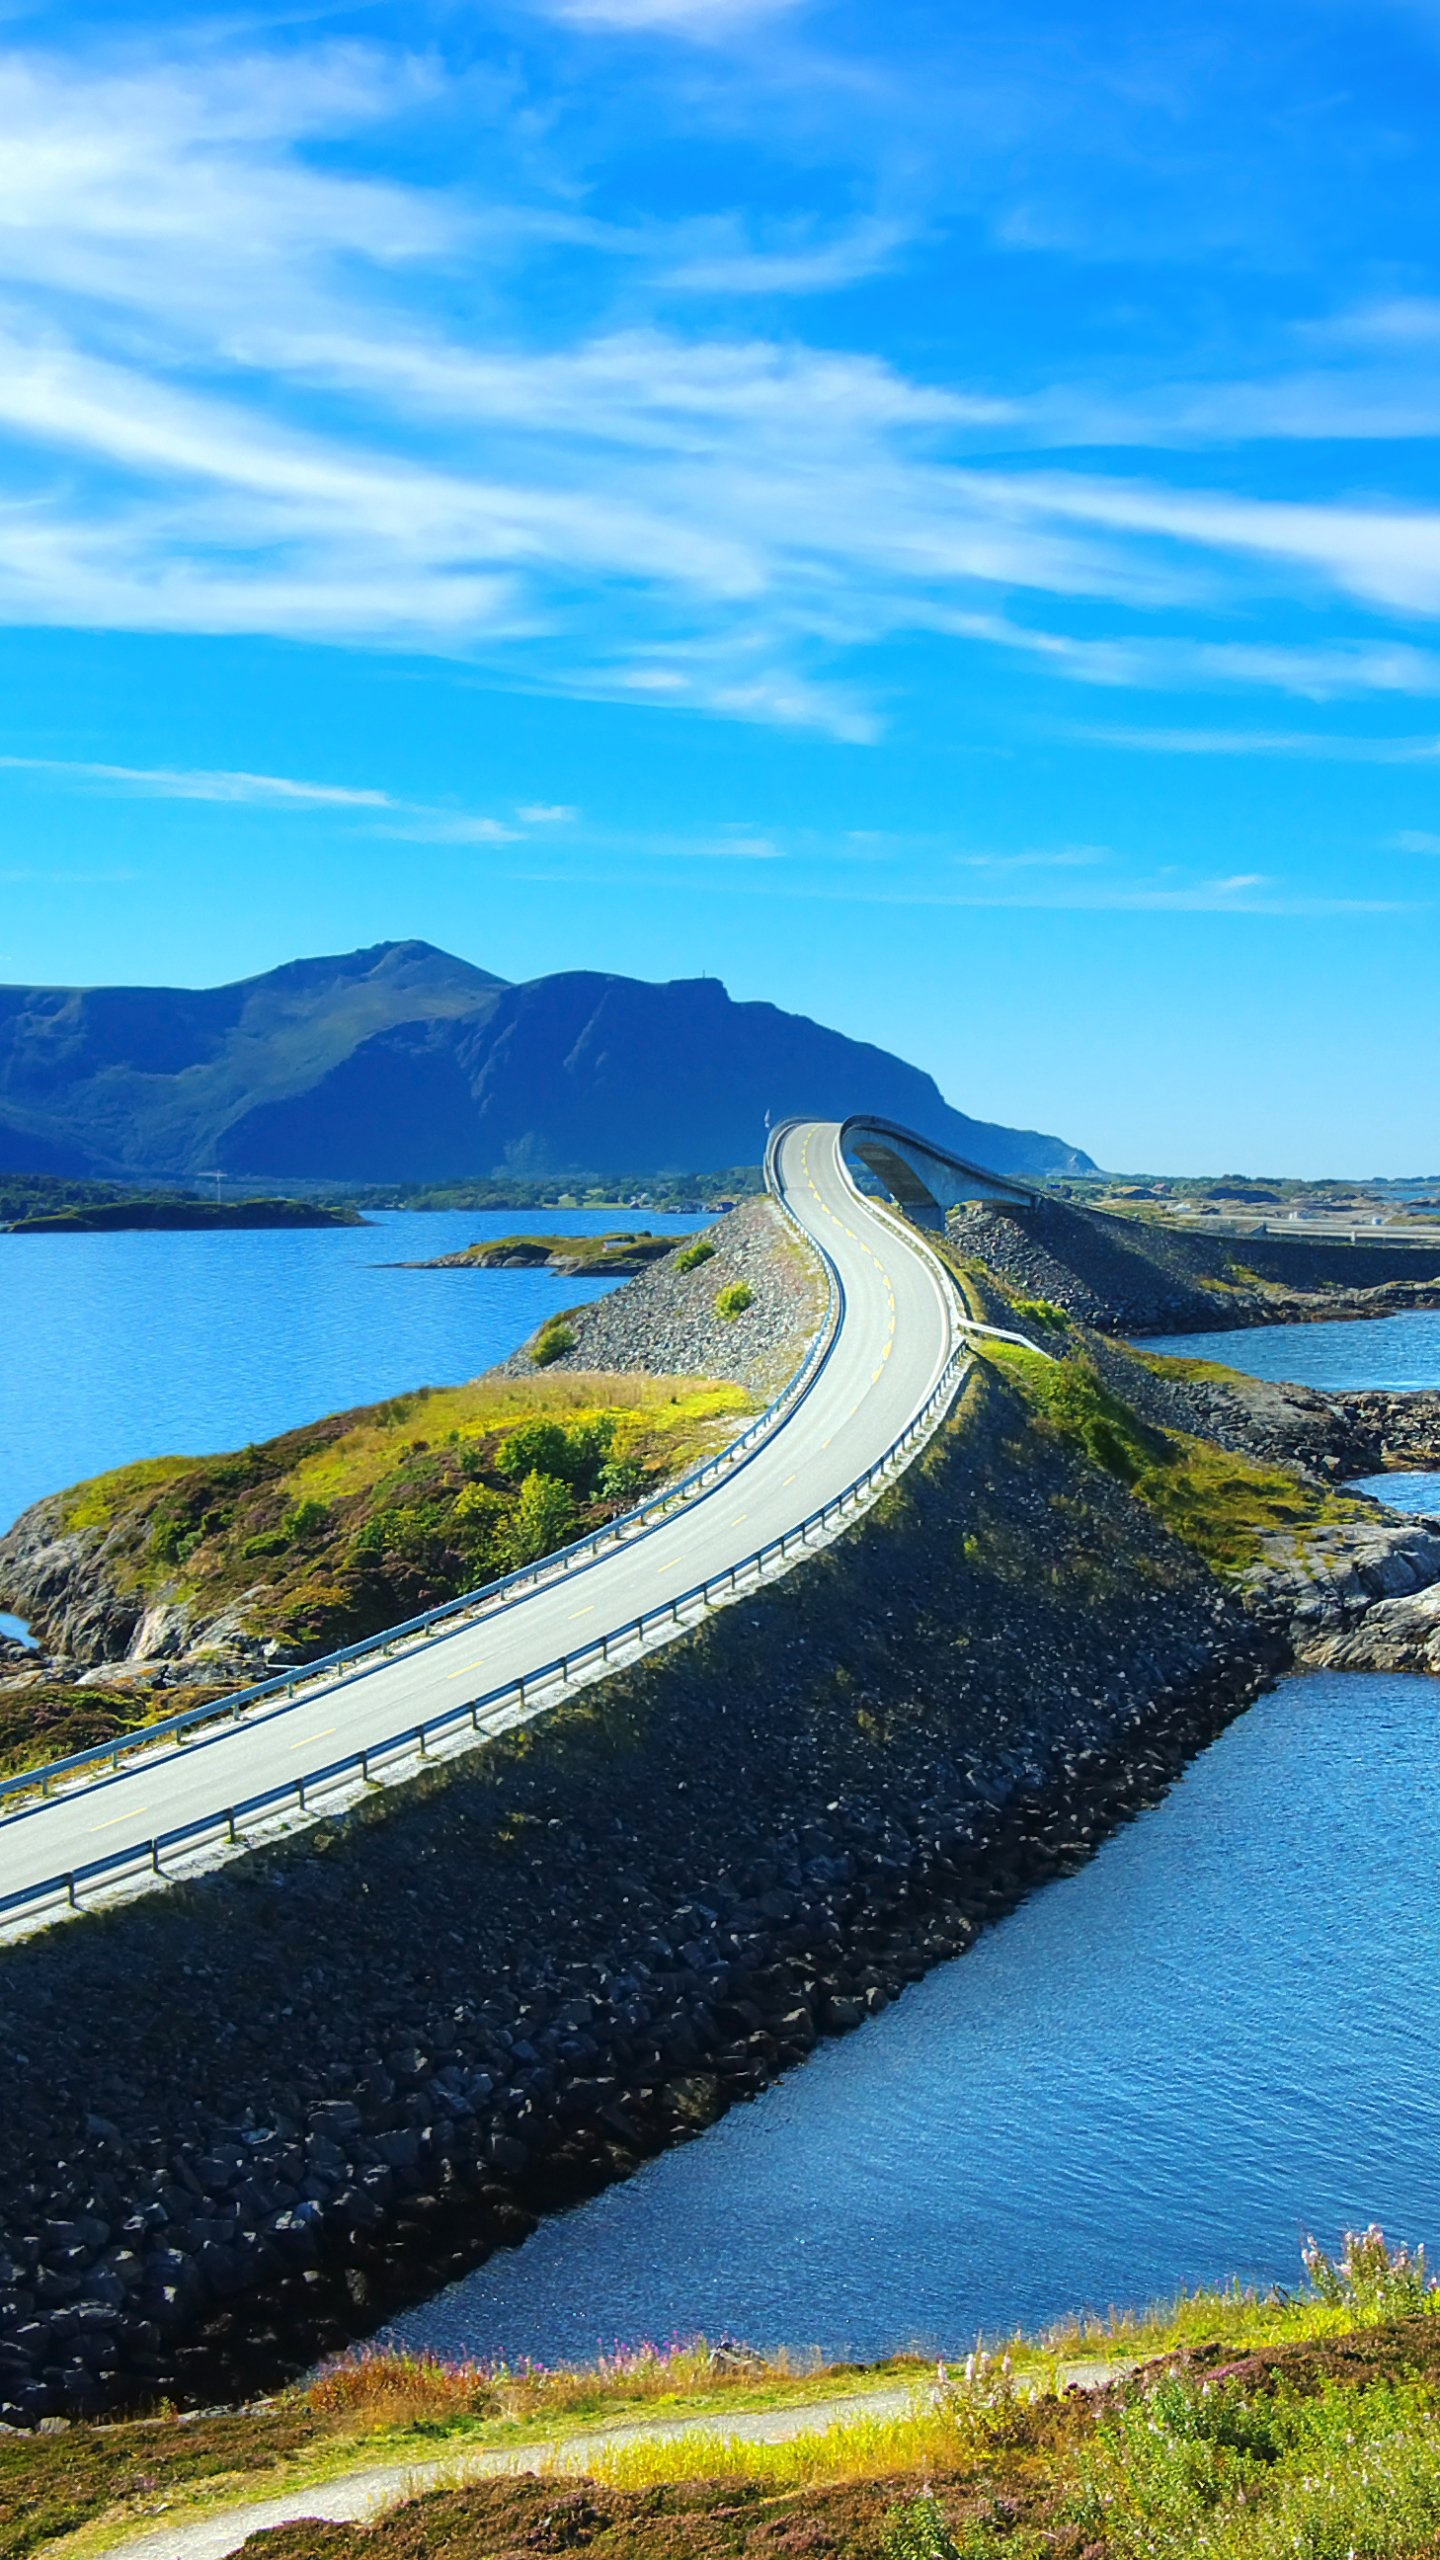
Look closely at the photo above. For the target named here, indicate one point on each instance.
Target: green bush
(694, 1255)
(307, 1517)
(733, 1300)
(482, 1519)
(576, 1455)
(266, 1542)
(543, 1518)
(551, 1343)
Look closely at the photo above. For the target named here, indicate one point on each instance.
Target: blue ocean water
(114, 1347)
(1161, 2071)
(1378, 1351)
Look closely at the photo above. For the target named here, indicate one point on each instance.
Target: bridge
(879, 1379)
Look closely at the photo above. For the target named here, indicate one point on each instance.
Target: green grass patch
(329, 1533)
(1220, 1503)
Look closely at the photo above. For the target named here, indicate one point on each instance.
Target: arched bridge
(880, 1376)
(923, 1178)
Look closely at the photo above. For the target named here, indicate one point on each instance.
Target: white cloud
(163, 782)
(1330, 747)
(407, 818)
(703, 21)
(1417, 840)
(235, 396)
(543, 814)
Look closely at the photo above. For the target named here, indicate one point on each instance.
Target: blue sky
(928, 513)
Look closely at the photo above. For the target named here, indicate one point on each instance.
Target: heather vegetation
(1239, 2425)
(351, 1524)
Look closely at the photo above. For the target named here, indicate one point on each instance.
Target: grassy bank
(1218, 1501)
(1230, 2423)
(329, 1533)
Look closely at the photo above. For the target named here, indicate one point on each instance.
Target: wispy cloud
(1326, 746)
(408, 818)
(251, 381)
(163, 782)
(702, 21)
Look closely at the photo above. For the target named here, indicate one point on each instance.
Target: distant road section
(898, 1326)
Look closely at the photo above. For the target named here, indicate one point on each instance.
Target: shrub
(482, 1519)
(306, 1518)
(536, 1445)
(919, 2532)
(543, 1518)
(266, 1542)
(551, 1343)
(732, 1301)
(694, 1255)
(1370, 2279)
(576, 1455)
(1041, 1312)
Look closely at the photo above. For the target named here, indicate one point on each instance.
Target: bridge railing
(371, 1653)
(514, 1699)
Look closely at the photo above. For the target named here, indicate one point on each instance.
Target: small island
(110, 1217)
(612, 1257)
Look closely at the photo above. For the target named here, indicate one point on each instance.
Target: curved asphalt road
(896, 1333)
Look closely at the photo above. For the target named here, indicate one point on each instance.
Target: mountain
(401, 1063)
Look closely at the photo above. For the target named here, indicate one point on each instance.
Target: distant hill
(403, 1064)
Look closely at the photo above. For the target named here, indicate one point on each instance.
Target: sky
(927, 513)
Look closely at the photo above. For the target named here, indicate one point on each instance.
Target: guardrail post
(155, 1857)
(70, 1888)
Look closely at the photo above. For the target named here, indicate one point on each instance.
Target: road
(895, 1335)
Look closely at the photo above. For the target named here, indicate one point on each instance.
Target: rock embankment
(1134, 1276)
(668, 1319)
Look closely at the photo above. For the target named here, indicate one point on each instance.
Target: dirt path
(358, 2496)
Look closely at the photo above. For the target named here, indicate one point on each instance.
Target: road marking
(587, 1612)
(789, 1479)
(477, 1665)
(322, 1736)
(132, 1815)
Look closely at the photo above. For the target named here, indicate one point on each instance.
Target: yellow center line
(476, 1665)
(587, 1612)
(322, 1736)
(132, 1815)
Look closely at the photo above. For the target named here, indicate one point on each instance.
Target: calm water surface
(116, 1347)
(1165, 2070)
(1380, 1351)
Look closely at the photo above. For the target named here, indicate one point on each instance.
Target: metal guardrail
(373, 1651)
(416, 1739)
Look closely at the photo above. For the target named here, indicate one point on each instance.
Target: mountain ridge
(401, 1062)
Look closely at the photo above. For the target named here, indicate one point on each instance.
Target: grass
(1262, 2426)
(326, 1534)
(1219, 1503)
